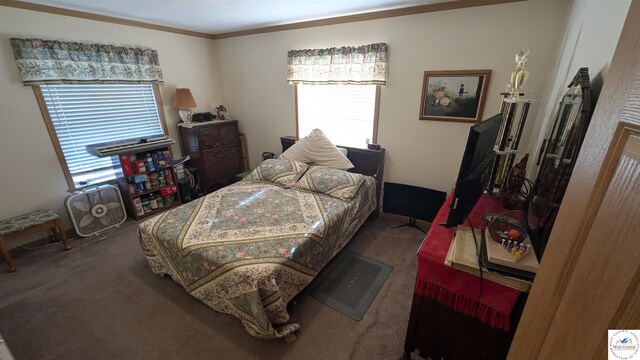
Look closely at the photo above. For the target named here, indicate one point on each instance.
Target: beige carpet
(101, 301)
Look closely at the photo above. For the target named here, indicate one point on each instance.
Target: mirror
(557, 158)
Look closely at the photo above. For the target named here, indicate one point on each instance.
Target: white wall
(422, 153)
(248, 73)
(590, 39)
(31, 177)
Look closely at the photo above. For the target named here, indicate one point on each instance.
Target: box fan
(96, 209)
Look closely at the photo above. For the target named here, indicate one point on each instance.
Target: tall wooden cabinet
(215, 150)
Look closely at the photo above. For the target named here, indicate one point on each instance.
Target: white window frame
(56, 143)
(376, 111)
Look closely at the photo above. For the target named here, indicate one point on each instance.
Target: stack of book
(465, 255)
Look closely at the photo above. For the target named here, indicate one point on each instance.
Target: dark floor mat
(350, 284)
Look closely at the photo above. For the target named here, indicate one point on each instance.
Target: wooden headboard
(365, 161)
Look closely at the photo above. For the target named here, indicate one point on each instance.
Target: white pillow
(316, 148)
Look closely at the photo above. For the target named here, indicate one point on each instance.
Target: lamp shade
(183, 99)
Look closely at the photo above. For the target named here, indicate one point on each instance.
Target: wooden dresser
(215, 150)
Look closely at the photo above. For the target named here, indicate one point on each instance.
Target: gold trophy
(520, 74)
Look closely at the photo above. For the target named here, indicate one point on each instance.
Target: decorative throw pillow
(279, 171)
(316, 148)
(334, 182)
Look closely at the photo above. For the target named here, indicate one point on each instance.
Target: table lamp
(183, 101)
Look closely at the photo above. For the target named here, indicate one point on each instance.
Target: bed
(249, 248)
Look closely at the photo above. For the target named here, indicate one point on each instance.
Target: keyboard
(128, 146)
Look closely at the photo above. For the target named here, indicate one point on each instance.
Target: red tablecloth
(457, 289)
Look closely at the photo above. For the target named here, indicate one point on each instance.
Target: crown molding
(103, 18)
(460, 4)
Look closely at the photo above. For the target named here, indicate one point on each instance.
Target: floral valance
(60, 62)
(363, 65)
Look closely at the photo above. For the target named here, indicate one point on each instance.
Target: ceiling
(225, 16)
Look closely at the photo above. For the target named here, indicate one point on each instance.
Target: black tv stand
(411, 223)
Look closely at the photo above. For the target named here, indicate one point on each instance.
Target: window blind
(98, 113)
(345, 113)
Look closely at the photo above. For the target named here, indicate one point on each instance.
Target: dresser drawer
(218, 135)
(221, 164)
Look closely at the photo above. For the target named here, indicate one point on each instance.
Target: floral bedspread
(249, 248)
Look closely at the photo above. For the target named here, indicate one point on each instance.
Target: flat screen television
(475, 169)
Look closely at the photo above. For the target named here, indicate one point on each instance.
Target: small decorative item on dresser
(184, 102)
(222, 113)
(520, 74)
(511, 192)
(202, 117)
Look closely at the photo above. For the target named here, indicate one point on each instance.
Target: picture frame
(454, 95)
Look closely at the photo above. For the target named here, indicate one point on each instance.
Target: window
(347, 114)
(88, 114)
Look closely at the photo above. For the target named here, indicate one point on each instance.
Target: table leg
(5, 254)
(60, 233)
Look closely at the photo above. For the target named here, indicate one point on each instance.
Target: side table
(450, 317)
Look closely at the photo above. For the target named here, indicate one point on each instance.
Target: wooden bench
(27, 224)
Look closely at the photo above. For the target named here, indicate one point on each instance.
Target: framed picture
(455, 95)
